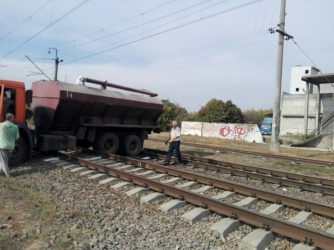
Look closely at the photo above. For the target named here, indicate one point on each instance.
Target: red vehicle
(57, 116)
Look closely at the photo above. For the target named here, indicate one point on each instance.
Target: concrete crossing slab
(96, 176)
(331, 230)
(187, 184)
(126, 167)
(172, 205)
(152, 197)
(95, 158)
(249, 201)
(301, 217)
(52, 159)
(88, 172)
(224, 227)
(224, 195)
(115, 165)
(258, 239)
(172, 180)
(202, 189)
(122, 185)
(195, 215)
(137, 190)
(109, 180)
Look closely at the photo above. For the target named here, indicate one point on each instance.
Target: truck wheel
(131, 145)
(20, 152)
(106, 143)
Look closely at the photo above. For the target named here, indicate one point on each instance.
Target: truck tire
(131, 145)
(20, 152)
(106, 143)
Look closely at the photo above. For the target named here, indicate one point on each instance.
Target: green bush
(306, 137)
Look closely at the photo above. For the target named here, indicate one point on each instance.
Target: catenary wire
(168, 30)
(48, 26)
(25, 20)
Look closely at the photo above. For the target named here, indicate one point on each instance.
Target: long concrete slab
(172, 180)
(135, 170)
(152, 197)
(302, 246)
(224, 195)
(187, 184)
(115, 165)
(137, 190)
(96, 176)
(301, 217)
(249, 201)
(172, 205)
(273, 208)
(88, 172)
(126, 167)
(78, 169)
(195, 215)
(158, 176)
(256, 240)
(122, 185)
(146, 173)
(70, 166)
(331, 230)
(109, 180)
(224, 227)
(202, 189)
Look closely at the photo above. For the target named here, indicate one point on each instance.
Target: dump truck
(54, 116)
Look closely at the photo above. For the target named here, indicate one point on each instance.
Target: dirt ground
(29, 218)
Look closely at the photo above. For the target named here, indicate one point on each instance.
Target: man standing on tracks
(174, 143)
(9, 133)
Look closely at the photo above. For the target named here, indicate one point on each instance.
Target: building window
(306, 71)
(297, 89)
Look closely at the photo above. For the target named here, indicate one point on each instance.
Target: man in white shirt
(174, 143)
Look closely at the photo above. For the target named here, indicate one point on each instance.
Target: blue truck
(266, 126)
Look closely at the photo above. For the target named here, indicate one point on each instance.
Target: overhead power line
(154, 20)
(113, 25)
(25, 20)
(50, 25)
(168, 30)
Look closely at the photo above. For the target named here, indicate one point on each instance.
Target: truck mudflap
(55, 142)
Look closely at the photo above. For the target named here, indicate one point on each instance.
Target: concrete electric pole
(274, 144)
(57, 61)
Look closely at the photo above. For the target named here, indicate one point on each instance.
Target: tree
(220, 112)
(255, 116)
(171, 112)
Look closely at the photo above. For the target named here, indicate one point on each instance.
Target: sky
(186, 51)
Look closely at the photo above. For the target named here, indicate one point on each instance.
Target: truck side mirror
(29, 96)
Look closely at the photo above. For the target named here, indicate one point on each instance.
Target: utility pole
(57, 61)
(274, 144)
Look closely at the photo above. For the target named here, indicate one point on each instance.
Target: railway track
(274, 156)
(115, 166)
(281, 178)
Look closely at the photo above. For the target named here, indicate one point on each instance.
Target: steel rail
(295, 202)
(292, 230)
(304, 182)
(279, 157)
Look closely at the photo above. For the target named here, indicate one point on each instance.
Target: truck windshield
(264, 125)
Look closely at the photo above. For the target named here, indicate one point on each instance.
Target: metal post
(317, 110)
(306, 107)
(274, 144)
(56, 68)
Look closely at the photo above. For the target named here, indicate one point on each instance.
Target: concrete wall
(247, 132)
(292, 113)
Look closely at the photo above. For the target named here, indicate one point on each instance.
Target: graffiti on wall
(226, 131)
(238, 133)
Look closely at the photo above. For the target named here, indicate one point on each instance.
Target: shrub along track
(254, 218)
